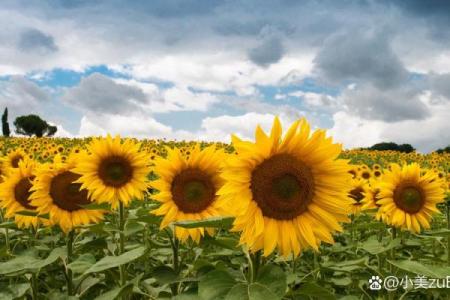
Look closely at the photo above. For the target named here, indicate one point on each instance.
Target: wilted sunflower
(15, 194)
(187, 188)
(358, 193)
(57, 193)
(288, 192)
(113, 171)
(408, 198)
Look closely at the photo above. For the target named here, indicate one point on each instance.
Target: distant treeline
(406, 148)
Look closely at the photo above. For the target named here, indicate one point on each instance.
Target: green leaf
(165, 274)
(216, 222)
(28, 213)
(254, 291)
(116, 293)
(132, 228)
(314, 290)
(441, 232)
(274, 278)
(29, 262)
(84, 262)
(224, 242)
(215, 285)
(186, 296)
(109, 262)
(341, 281)
(14, 291)
(9, 225)
(89, 282)
(374, 247)
(420, 269)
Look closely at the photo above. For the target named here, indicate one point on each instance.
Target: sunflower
(366, 174)
(113, 171)
(371, 199)
(15, 194)
(287, 192)
(57, 193)
(408, 198)
(12, 159)
(359, 193)
(187, 188)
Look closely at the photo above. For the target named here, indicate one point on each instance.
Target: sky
(367, 71)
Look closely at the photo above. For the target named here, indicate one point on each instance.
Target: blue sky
(368, 71)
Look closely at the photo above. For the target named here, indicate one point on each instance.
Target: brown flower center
(115, 171)
(365, 175)
(193, 190)
(66, 193)
(409, 198)
(15, 161)
(22, 192)
(357, 194)
(282, 186)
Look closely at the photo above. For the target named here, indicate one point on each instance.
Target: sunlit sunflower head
(113, 171)
(288, 192)
(408, 198)
(187, 188)
(353, 171)
(12, 159)
(365, 174)
(359, 194)
(370, 201)
(57, 192)
(15, 194)
(2, 172)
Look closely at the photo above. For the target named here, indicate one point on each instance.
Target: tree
(445, 150)
(33, 125)
(5, 124)
(407, 148)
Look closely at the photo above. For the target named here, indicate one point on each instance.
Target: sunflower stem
(174, 243)
(69, 260)
(34, 287)
(122, 268)
(8, 251)
(256, 259)
(251, 271)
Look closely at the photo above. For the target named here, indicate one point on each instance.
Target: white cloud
(425, 135)
(129, 126)
(220, 128)
(181, 98)
(22, 96)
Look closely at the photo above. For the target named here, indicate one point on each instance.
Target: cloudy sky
(369, 71)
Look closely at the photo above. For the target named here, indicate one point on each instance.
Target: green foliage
(406, 148)
(5, 125)
(218, 267)
(33, 125)
(444, 150)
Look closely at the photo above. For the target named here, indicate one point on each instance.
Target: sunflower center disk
(409, 198)
(357, 194)
(115, 171)
(66, 193)
(192, 190)
(282, 186)
(15, 161)
(22, 193)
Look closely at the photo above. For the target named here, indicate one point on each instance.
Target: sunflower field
(288, 215)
